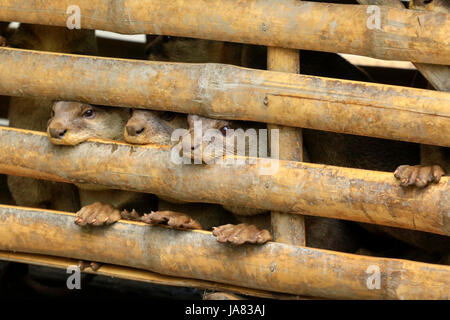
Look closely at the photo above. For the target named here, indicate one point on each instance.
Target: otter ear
(53, 103)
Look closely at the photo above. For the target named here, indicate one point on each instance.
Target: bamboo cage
(141, 275)
(280, 97)
(229, 92)
(196, 254)
(403, 35)
(296, 187)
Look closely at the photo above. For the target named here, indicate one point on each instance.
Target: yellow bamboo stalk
(295, 187)
(140, 275)
(228, 92)
(274, 266)
(437, 75)
(400, 34)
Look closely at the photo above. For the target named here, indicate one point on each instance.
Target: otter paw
(171, 219)
(85, 264)
(419, 176)
(133, 215)
(97, 214)
(3, 42)
(241, 233)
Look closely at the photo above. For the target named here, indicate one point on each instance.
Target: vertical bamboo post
(287, 228)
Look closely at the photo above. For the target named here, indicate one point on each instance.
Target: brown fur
(33, 113)
(200, 51)
(321, 233)
(146, 127)
(155, 127)
(75, 122)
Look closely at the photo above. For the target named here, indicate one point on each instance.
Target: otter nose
(57, 133)
(135, 130)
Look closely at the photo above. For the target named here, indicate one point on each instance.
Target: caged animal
(34, 113)
(72, 123)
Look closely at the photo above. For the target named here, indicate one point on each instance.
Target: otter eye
(224, 130)
(168, 116)
(89, 114)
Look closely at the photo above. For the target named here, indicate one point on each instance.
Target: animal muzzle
(57, 133)
(134, 130)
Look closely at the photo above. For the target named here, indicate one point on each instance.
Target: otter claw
(93, 265)
(419, 176)
(97, 214)
(172, 219)
(241, 233)
(133, 215)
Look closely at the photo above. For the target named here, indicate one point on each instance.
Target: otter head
(74, 122)
(208, 139)
(153, 127)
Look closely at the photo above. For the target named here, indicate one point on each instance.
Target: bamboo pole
(288, 186)
(287, 228)
(437, 75)
(401, 34)
(274, 266)
(140, 275)
(228, 92)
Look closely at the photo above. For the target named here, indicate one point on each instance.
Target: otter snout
(135, 129)
(57, 133)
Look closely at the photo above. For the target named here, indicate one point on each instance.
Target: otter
(147, 126)
(323, 233)
(341, 235)
(243, 225)
(353, 151)
(72, 123)
(34, 113)
(156, 127)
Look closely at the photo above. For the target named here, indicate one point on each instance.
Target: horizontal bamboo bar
(228, 92)
(296, 187)
(437, 75)
(196, 254)
(399, 34)
(140, 275)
